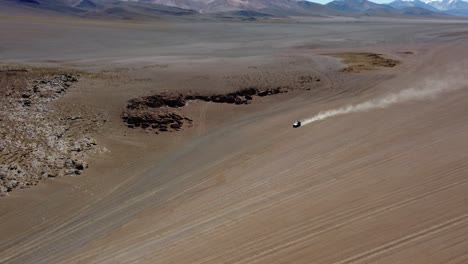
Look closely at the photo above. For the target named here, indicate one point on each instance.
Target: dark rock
(166, 121)
(49, 175)
(176, 126)
(247, 91)
(175, 116)
(80, 165)
(218, 98)
(157, 101)
(231, 99)
(71, 78)
(274, 91)
(263, 93)
(176, 102)
(203, 98)
(27, 102)
(238, 101)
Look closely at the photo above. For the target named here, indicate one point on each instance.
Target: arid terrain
(167, 141)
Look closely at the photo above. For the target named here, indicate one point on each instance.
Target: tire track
(242, 209)
(241, 213)
(406, 240)
(322, 229)
(202, 119)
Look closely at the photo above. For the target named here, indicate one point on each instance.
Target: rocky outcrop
(38, 140)
(157, 101)
(158, 121)
(154, 112)
(243, 96)
(51, 88)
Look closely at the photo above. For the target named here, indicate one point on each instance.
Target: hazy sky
(375, 1)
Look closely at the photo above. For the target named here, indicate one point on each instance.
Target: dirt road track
(387, 186)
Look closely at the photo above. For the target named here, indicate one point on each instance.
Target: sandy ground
(241, 185)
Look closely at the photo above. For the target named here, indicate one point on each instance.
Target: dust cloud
(427, 90)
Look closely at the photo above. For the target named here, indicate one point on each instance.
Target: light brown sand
(242, 186)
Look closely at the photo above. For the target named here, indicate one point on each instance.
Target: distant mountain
(86, 4)
(196, 5)
(453, 7)
(93, 8)
(59, 6)
(26, 2)
(447, 4)
(220, 6)
(361, 6)
(318, 9)
(243, 9)
(401, 4)
(132, 10)
(365, 7)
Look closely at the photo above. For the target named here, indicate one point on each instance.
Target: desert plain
(238, 184)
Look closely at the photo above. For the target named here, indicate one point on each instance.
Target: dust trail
(427, 91)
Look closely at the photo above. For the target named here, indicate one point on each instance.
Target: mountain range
(240, 8)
